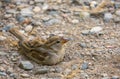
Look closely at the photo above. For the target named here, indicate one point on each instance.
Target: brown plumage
(48, 52)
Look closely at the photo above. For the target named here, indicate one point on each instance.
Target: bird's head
(56, 42)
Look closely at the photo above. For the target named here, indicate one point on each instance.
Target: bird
(46, 52)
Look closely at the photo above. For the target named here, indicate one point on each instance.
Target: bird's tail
(17, 34)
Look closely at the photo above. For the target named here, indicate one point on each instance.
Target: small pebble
(85, 32)
(96, 29)
(84, 75)
(45, 6)
(2, 38)
(41, 71)
(84, 66)
(39, 1)
(31, 2)
(7, 27)
(8, 1)
(105, 78)
(44, 78)
(53, 12)
(25, 75)
(8, 15)
(67, 71)
(83, 45)
(59, 70)
(13, 76)
(9, 71)
(74, 67)
(26, 65)
(75, 21)
(20, 18)
(14, 59)
(107, 17)
(2, 73)
(84, 15)
(52, 22)
(118, 12)
(116, 19)
(11, 11)
(115, 77)
(36, 9)
(22, 31)
(26, 12)
(117, 5)
(28, 28)
(2, 68)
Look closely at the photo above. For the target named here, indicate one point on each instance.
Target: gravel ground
(92, 53)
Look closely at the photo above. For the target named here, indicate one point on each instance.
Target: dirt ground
(101, 52)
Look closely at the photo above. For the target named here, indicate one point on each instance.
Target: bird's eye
(57, 41)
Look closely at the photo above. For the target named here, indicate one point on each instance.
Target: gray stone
(35, 23)
(11, 11)
(7, 27)
(107, 17)
(117, 5)
(12, 75)
(20, 18)
(8, 1)
(84, 66)
(52, 22)
(83, 45)
(26, 65)
(2, 73)
(53, 12)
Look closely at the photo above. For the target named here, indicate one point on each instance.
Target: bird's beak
(65, 40)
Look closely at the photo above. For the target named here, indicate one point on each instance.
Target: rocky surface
(92, 53)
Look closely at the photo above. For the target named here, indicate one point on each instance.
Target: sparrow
(47, 52)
